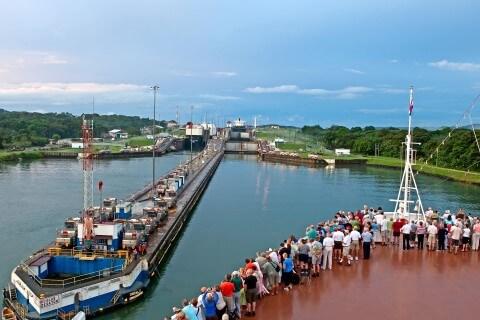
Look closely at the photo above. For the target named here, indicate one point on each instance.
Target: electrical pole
(178, 117)
(155, 89)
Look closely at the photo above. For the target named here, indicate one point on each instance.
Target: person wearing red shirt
(250, 265)
(396, 226)
(227, 288)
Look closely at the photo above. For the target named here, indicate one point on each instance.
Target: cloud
(345, 93)
(381, 111)
(286, 88)
(224, 74)
(53, 59)
(57, 94)
(455, 66)
(182, 73)
(355, 71)
(53, 88)
(190, 74)
(22, 59)
(295, 118)
(350, 92)
(200, 105)
(393, 90)
(393, 61)
(218, 97)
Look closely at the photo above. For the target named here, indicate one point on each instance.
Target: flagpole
(408, 155)
(410, 110)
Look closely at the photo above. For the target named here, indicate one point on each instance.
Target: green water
(248, 206)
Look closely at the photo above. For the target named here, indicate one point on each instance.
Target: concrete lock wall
(241, 147)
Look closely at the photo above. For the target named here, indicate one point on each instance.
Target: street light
(155, 89)
(191, 133)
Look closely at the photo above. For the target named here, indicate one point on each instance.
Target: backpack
(275, 266)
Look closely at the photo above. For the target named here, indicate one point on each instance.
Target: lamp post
(191, 134)
(155, 89)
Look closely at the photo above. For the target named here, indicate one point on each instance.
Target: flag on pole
(410, 105)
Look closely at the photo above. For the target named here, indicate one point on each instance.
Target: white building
(278, 141)
(342, 152)
(172, 124)
(77, 145)
(211, 127)
(118, 134)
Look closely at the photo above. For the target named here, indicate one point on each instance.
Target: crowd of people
(341, 240)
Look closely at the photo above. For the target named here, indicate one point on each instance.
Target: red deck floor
(394, 284)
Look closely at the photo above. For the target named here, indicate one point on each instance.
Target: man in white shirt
(347, 240)
(466, 238)
(384, 231)
(432, 237)
(337, 240)
(476, 235)
(273, 255)
(456, 231)
(405, 230)
(328, 244)
(355, 245)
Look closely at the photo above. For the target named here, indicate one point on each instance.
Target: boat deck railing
(71, 281)
(88, 255)
(82, 255)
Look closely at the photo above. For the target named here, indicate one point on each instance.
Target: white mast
(408, 185)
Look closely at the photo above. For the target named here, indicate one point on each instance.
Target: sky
(290, 62)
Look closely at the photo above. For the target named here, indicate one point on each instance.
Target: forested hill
(34, 129)
(459, 151)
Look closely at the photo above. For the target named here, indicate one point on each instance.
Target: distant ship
(239, 131)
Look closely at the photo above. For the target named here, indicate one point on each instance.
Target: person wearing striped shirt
(421, 234)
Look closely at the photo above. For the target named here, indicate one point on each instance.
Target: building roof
(40, 261)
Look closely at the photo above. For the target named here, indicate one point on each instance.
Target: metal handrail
(72, 280)
(80, 278)
(54, 251)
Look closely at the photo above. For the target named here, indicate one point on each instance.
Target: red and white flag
(410, 105)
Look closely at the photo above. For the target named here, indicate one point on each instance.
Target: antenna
(87, 162)
(93, 136)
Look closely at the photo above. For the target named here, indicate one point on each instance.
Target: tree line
(459, 151)
(24, 129)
